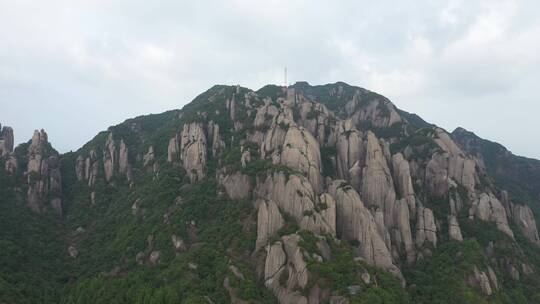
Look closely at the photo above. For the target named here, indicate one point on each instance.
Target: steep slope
(520, 175)
(305, 194)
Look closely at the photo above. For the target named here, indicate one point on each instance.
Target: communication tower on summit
(285, 77)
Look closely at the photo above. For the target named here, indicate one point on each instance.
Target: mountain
(299, 194)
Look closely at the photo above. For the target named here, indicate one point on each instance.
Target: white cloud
(91, 64)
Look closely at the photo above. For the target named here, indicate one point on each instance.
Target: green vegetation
(452, 263)
(342, 272)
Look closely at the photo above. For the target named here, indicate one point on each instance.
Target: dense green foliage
(32, 255)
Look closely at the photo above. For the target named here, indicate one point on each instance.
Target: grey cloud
(76, 67)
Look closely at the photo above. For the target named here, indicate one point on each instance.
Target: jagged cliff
(305, 194)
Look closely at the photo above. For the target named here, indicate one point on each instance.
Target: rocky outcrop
(43, 175)
(274, 139)
(149, 157)
(91, 168)
(377, 183)
(355, 223)
(11, 164)
(378, 112)
(314, 117)
(402, 235)
(217, 143)
(349, 154)
(246, 158)
(402, 177)
(484, 283)
(524, 219)
(79, 168)
(426, 230)
(269, 221)
(6, 140)
(301, 152)
(193, 150)
(294, 195)
(6, 149)
(454, 231)
(436, 177)
(173, 149)
(286, 271)
(488, 208)
(265, 114)
(237, 185)
(124, 167)
(452, 163)
(109, 157)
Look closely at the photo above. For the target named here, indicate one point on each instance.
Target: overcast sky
(76, 67)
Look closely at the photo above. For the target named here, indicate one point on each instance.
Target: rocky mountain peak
(317, 191)
(6, 140)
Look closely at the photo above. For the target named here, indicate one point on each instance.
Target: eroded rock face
(403, 234)
(193, 150)
(294, 195)
(109, 157)
(355, 223)
(314, 117)
(79, 168)
(11, 164)
(377, 183)
(217, 143)
(449, 165)
(301, 152)
(6, 140)
(173, 149)
(402, 177)
(43, 175)
(91, 168)
(481, 281)
(454, 231)
(488, 208)
(149, 157)
(124, 167)
(437, 181)
(426, 230)
(524, 219)
(246, 158)
(285, 259)
(378, 112)
(349, 153)
(237, 185)
(269, 221)
(274, 139)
